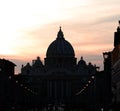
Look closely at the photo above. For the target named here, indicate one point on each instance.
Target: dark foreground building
(6, 85)
(115, 58)
(112, 70)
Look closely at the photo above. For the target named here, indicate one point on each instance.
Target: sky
(27, 27)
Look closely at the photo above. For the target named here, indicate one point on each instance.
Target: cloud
(108, 19)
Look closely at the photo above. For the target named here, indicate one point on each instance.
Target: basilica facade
(60, 58)
(60, 80)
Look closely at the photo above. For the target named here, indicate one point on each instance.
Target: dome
(82, 62)
(60, 47)
(37, 62)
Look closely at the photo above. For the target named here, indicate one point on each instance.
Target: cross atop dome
(60, 27)
(60, 34)
(81, 57)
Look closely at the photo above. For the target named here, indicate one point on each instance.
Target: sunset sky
(27, 27)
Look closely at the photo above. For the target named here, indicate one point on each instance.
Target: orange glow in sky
(27, 27)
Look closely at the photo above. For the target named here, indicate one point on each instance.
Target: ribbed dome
(60, 47)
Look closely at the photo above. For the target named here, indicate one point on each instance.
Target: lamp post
(107, 80)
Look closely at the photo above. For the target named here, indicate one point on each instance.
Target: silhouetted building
(6, 85)
(61, 80)
(112, 70)
(116, 69)
(7, 67)
(15, 93)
